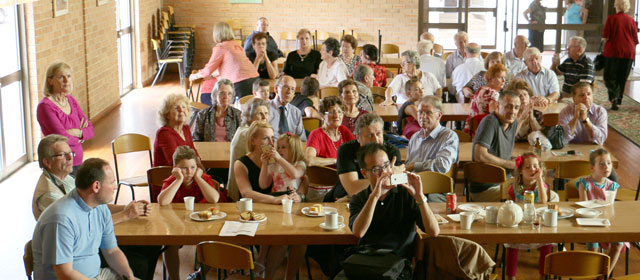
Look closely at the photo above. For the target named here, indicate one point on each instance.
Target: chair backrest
(474, 122)
(155, 177)
(245, 99)
(358, 50)
(130, 142)
(224, 255)
(573, 169)
(434, 182)
(438, 49)
(485, 173)
(329, 91)
(463, 137)
(27, 258)
(550, 119)
(484, 54)
(192, 94)
(444, 56)
(322, 176)
(311, 123)
(378, 94)
(390, 49)
(576, 264)
(504, 188)
(571, 192)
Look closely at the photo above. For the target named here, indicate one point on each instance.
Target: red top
(167, 140)
(379, 73)
(622, 35)
(325, 148)
(194, 190)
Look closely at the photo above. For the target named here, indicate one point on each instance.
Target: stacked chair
(174, 44)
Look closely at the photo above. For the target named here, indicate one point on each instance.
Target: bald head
(520, 44)
(427, 36)
(262, 25)
(472, 50)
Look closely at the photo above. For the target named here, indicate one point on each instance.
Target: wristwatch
(586, 121)
(424, 200)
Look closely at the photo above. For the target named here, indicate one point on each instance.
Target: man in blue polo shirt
(70, 231)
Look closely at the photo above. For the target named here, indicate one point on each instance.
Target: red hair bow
(289, 134)
(519, 161)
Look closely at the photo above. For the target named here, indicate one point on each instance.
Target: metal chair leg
(117, 192)
(495, 257)
(161, 67)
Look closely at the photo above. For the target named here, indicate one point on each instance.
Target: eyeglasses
(379, 169)
(427, 113)
(287, 88)
(73, 154)
(335, 113)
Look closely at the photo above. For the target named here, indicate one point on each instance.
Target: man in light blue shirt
(434, 147)
(283, 116)
(71, 230)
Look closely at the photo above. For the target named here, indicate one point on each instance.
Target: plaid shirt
(574, 72)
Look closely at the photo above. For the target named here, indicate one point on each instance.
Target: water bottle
(529, 214)
(394, 128)
(236, 103)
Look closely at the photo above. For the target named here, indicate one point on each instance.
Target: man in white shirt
(515, 57)
(427, 36)
(463, 73)
(430, 63)
(542, 80)
(283, 116)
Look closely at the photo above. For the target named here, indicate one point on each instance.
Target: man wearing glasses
(283, 116)
(384, 216)
(434, 147)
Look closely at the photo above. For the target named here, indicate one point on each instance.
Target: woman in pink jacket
(230, 61)
(59, 113)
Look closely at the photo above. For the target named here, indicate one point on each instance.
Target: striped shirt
(436, 152)
(574, 72)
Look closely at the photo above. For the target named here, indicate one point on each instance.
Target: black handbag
(376, 264)
(555, 134)
(598, 62)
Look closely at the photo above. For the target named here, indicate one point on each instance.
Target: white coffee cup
(466, 219)
(287, 204)
(610, 196)
(189, 202)
(332, 220)
(244, 204)
(492, 215)
(550, 218)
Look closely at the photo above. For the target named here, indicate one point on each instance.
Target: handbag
(555, 134)
(598, 62)
(373, 264)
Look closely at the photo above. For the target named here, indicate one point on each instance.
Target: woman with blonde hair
(59, 113)
(173, 116)
(304, 61)
(228, 61)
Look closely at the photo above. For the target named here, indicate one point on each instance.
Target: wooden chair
(474, 122)
(504, 189)
(570, 170)
(484, 173)
(164, 60)
(358, 50)
(222, 255)
(378, 94)
(463, 137)
(287, 36)
(27, 258)
(550, 119)
(329, 91)
(434, 182)
(573, 264)
(322, 176)
(311, 123)
(129, 143)
(570, 190)
(193, 92)
(390, 49)
(445, 55)
(155, 177)
(439, 49)
(245, 99)
(484, 54)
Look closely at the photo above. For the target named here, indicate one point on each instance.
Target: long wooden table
(622, 215)
(171, 225)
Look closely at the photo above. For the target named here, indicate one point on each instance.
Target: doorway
(124, 28)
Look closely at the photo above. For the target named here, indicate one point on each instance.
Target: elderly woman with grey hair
(410, 64)
(254, 110)
(332, 70)
(173, 116)
(218, 122)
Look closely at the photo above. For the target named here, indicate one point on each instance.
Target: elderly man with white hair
(542, 80)
(457, 57)
(576, 68)
(473, 64)
(430, 63)
(515, 57)
(428, 36)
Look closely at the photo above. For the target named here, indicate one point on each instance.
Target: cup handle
(340, 220)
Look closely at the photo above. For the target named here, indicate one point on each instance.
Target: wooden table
(387, 113)
(390, 62)
(622, 215)
(171, 225)
(214, 154)
(460, 111)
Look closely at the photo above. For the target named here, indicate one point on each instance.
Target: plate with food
(563, 212)
(208, 215)
(588, 212)
(252, 217)
(317, 210)
(441, 220)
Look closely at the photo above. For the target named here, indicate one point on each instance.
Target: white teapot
(509, 214)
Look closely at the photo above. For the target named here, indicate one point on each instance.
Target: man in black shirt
(384, 216)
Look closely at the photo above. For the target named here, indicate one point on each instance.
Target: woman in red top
(323, 142)
(621, 37)
(369, 56)
(173, 116)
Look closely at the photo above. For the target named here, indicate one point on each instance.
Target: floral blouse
(351, 65)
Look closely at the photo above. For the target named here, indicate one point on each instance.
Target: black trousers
(616, 72)
(244, 87)
(536, 38)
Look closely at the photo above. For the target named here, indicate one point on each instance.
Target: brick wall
(396, 19)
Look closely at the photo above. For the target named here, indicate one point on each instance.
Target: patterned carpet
(625, 121)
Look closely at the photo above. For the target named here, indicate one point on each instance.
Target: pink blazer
(232, 63)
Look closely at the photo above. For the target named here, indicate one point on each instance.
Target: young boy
(261, 89)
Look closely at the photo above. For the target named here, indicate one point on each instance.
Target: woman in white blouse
(410, 64)
(332, 70)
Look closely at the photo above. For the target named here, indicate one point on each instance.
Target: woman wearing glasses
(59, 113)
(323, 142)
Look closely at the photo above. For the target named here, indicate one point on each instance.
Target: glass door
(13, 131)
(125, 44)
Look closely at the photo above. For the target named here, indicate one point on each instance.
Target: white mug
(188, 202)
(287, 204)
(550, 218)
(331, 220)
(244, 204)
(466, 219)
(492, 215)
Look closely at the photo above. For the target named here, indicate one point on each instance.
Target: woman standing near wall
(536, 14)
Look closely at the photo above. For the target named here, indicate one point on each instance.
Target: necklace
(64, 103)
(331, 139)
(303, 56)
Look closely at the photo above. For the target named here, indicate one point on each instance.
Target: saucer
(323, 226)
